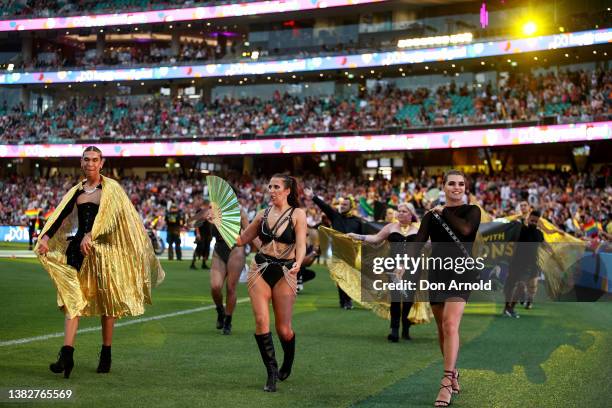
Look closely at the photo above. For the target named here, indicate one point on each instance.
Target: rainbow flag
(393, 201)
(32, 212)
(590, 228)
(364, 208)
(48, 213)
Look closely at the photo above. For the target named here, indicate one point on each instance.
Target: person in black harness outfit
(342, 221)
(273, 275)
(203, 231)
(227, 264)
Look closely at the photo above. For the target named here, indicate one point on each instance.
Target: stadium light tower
(529, 28)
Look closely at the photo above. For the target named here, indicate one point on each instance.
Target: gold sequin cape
(117, 276)
(557, 259)
(345, 269)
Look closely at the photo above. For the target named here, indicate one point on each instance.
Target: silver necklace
(86, 191)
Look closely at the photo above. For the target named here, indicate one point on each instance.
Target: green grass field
(556, 355)
(14, 245)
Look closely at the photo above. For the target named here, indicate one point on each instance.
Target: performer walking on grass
(107, 268)
(524, 266)
(273, 275)
(227, 264)
(452, 229)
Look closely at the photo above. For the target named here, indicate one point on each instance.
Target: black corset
(87, 215)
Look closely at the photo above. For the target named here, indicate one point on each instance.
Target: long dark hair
(293, 198)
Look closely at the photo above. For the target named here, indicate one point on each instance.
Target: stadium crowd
(55, 55)
(52, 56)
(569, 96)
(572, 202)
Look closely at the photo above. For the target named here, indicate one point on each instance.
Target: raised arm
(464, 226)
(250, 233)
(326, 208)
(244, 220)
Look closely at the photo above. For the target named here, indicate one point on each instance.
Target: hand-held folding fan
(224, 209)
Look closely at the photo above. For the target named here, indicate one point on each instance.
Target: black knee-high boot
(395, 322)
(105, 360)
(289, 354)
(227, 325)
(220, 316)
(405, 321)
(64, 362)
(266, 348)
(345, 300)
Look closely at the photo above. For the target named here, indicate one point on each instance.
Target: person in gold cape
(107, 268)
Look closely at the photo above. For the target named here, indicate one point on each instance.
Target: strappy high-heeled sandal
(456, 390)
(449, 388)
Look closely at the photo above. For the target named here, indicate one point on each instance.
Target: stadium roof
(313, 64)
(174, 15)
(237, 9)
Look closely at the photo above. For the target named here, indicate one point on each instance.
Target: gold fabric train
(345, 270)
(558, 259)
(117, 276)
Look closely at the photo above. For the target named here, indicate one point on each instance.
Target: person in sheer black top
(463, 220)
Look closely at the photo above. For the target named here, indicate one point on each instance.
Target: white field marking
(24, 253)
(126, 323)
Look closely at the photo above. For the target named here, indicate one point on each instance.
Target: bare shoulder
(299, 214)
(391, 227)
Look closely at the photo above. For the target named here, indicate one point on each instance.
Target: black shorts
(274, 271)
(222, 250)
(438, 296)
